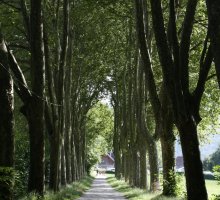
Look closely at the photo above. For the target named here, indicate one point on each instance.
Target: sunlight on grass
(138, 194)
(70, 192)
(212, 187)
(135, 193)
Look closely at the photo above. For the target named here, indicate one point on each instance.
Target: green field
(212, 187)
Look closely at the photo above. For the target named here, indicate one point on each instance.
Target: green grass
(138, 194)
(70, 192)
(212, 187)
(135, 193)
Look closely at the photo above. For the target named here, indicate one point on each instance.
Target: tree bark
(213, 7)
(6, 125)
(6, 109)
(35, 107)
(167, 140)
(153, 161)
(192, 161)
(63, 165)
(143, 167)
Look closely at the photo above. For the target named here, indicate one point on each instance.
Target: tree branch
(146, 58)
(185, 44)
(25, 93)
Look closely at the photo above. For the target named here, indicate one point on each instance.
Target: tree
(185, 105)
(6, 125)
(213, 8)
(161, 106)
(35, 107)
(212, 160)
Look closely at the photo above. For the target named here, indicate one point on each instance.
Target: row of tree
(56, 86)
(153, 58)
(177, 36)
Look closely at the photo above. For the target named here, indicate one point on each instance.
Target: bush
(216, 170)
(6, 183)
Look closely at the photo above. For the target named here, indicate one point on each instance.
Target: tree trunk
(168, 159)
(6, 126)
(63, 165)
(117, 149)
(73, 160)
(153, 161)
(6, 110)
(167, 140)
(54, 158)
(116, 137)
(192, 163)
(136, 171)
(143, 167)
(68, 157)
(35, 107)
(68, 114)
(214, 32)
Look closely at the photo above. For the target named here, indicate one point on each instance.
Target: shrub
(216, 170)
(7, 175)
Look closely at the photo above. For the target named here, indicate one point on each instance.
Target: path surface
(101, 190)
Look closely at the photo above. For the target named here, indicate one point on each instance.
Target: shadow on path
(100, 189)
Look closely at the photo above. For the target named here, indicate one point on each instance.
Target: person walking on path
(100, 190)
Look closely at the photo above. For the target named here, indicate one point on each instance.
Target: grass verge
(135, 193)
(213, 188)
(70, 192)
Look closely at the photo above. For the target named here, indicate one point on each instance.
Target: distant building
(107, 161)
(179, 162)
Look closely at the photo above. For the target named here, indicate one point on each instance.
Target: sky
(205, 149)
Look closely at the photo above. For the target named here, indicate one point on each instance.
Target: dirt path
(101, 190)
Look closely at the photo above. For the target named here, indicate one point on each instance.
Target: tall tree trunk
(54, 159)
(136, 171)
(35, 107)
(168, 160)
(68, 114)
(73, 160)
(143, 167)
(192, 161)
(153, 161)
(6, 109)
(6, 125)
(116, 145)
(116, 137)
(167, 140)
(63, 165)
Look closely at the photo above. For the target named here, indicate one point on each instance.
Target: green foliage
(180, 186)
(21, 153)
(216, 170)
(7, 177)
(170, 186)
(212, 160)
(99, 131)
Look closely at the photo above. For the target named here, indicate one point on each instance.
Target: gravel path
(101, 190)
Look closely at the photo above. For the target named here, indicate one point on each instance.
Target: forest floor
(100, 190)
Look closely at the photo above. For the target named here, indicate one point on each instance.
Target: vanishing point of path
(101, 190)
